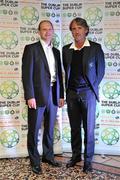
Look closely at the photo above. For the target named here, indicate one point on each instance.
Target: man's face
(46, 32)
(78, 32)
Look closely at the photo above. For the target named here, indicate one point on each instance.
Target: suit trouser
(35, 118)
(81, 111)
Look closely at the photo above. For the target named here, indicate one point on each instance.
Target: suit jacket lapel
(55, 56)
(43, 56)
(69, 57)
(86, 55)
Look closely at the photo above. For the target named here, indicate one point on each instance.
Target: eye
(79, 27)
(73, 29)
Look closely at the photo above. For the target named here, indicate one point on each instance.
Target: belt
(53, 83)
(83, 86)
(80, 88)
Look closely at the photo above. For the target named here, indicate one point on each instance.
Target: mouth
(78, 36)
(48, 35)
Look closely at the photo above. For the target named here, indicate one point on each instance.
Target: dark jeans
(81, 111)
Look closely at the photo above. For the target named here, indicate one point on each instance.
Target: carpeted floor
(19, 169)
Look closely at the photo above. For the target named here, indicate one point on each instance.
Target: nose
(77, 30)
(48, 31)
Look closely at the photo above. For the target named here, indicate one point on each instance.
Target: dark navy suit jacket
(93, 65)
(36, 75)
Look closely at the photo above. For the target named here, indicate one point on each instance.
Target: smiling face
(46, 31)
(79, 32)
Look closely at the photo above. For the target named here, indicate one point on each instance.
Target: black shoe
(87, 167)
(72, 162)
(37, 169)
(52, 162)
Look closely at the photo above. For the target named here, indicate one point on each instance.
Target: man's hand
(61, 102)
(31, 103)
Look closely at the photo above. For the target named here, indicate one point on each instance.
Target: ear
(39, 34)
(86, 31)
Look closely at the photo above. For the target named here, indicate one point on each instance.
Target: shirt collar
(86, 43)
(44, 44)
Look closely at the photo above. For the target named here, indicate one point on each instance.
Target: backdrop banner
(19, 21)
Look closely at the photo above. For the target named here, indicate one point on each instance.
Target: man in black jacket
(43, 89)
(84, 66)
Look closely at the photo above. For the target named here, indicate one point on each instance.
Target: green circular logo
(29, 15)
(93, 16)
(8, 39)
(111, 90)
(66, 136)
(56, 135)
(9, 89)
(9, 138)
(112, 41)
(56, 40)
(110, 136)
(25, 113)
(97, 111)
(67, 39)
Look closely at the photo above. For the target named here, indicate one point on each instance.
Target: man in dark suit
(43, 89)
(84, 65)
